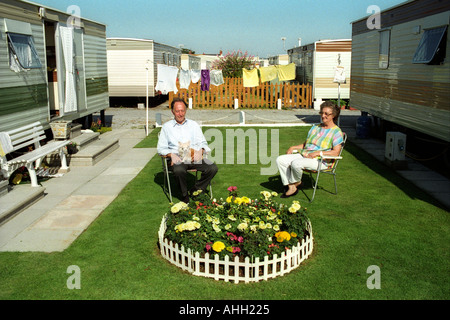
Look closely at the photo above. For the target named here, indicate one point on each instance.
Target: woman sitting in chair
(325, 138)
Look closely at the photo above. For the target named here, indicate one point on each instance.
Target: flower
(218, 246)
(266, 194)
(178, 207)
(242, 226)
(236, 225)
(295, 207)
(188, 226)
(283, 236)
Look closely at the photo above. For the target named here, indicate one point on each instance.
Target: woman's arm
(296, 148)
(333, 152)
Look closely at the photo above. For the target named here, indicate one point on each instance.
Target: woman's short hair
(335, 109)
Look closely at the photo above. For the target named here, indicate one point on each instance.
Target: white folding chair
(333, 162)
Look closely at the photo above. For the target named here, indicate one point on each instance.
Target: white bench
(31, 135)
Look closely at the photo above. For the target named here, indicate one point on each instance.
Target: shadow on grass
(388, 173)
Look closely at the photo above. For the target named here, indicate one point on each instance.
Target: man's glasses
(326, 114)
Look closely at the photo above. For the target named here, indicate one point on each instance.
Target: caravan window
(23, 52)
(432, 46)
(385, 44)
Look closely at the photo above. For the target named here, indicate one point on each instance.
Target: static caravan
(317, 65)
(52, 65)
(281, 59)
(130, 59)
(190, 62)
(401, 70)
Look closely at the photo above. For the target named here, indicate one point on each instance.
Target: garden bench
(29, 135)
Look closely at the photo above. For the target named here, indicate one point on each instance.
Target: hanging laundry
(195, 76)
(251, 78)
(206, 80)
(339, 76)
(286, 73)
(185, 79)
(5, 144)
(167, 79)
(216, 77)
(268, 73)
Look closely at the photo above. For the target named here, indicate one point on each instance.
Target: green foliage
(232, 64)
(237, 226)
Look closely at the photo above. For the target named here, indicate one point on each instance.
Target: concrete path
(72, 202)
(66, 206)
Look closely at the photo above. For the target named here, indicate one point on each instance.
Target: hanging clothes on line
(268, 73)
(339, 76)
(185, 79)
(167, 79)
(286, 73)
(206, 80)
(216, 77)
(251, 78)
(195, 76)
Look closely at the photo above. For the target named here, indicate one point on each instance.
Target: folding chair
(331, 170)
(167, 171)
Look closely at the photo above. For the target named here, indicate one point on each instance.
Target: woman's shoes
(285, 196)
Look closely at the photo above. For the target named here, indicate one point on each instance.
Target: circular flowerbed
(238, 227)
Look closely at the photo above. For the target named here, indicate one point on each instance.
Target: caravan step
(20, 198)
(93, 153)
(83, 140)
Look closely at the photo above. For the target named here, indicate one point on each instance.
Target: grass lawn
(378, 219)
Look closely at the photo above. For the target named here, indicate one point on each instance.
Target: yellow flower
(266, 194)
(178, 207)
(238, 201)
(295, 207)
(245, 200)
(229, 199)
(218, 246)
(283, 236)
(293, 235)
(242, 226)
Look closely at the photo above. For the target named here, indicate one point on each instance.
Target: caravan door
(70, 63)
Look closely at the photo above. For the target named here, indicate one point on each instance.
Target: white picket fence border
(211, 266)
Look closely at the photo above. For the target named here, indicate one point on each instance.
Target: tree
(233, 63)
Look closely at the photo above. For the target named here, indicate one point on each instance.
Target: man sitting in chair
(182, 141)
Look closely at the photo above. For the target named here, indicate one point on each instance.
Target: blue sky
(227, 25)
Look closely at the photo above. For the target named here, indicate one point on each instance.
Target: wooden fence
(290, 95)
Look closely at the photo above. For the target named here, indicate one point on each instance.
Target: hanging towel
(216, 77)
(167, 79)
(286, 73)
(195, 76)
(268, 73)
(339, 76)
(251, 78)
(185, 79)
(206, 80)
(5, 144)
